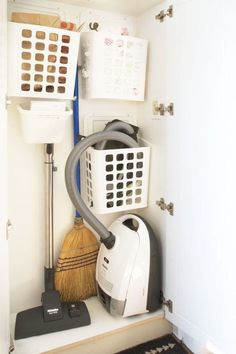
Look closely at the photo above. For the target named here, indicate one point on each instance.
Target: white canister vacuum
(128, 279)
(128, 267)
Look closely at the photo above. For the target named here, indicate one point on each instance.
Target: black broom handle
(49, 247)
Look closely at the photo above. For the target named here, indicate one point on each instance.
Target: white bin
(42, 61)
(43, 127)
(116, 179)
(114, 66)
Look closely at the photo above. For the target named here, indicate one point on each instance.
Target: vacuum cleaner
(128, 266)
(52, 315)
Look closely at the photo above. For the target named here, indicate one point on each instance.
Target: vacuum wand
(53, 315)
(49, 254)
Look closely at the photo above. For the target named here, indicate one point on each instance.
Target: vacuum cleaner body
(128, 265)
(128, 274)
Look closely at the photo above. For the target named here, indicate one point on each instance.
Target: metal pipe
(49, 255)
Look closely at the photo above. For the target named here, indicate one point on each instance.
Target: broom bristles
(76, 265)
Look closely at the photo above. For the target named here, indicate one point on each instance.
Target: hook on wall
(94, 26)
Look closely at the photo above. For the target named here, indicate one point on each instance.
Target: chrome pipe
(49, 254)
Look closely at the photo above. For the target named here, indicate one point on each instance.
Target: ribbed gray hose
(115, 126)
(70, 176)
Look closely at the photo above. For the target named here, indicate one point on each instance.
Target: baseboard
(119, 339)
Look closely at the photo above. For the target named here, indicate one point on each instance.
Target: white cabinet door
(201, 169)
(4, 279)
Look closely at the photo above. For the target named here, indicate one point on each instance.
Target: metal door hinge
(169, 12)
(167, 303)
(160, 108)
(169, 207)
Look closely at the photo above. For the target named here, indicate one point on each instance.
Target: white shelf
(101, 322)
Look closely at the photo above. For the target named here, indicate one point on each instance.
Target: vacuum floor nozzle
(31, 322)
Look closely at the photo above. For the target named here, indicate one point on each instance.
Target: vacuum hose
(115, 126)
(70, 176)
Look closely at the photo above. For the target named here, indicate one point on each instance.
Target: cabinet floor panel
(104, 329)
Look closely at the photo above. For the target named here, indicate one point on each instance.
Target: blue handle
(76, 127)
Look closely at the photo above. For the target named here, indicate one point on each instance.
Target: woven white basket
(42, 61)
(116, 179)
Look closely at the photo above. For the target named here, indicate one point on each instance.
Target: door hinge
(169, 207)
(167, 303)
(169, 12)
(160, 108)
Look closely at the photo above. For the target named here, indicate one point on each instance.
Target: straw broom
(76, 265)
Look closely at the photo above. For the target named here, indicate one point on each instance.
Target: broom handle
(76, 127)
(49, 256)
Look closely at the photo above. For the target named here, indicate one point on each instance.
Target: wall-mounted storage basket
(43, 127)
(114, 66)
(116, 179)
(42, 61)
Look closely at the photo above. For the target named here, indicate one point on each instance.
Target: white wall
(26, 171)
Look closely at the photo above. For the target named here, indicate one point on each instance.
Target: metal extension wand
(52, 315)
(49, 252)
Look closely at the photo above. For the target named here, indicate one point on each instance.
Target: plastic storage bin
(42, 61)
(114, 66)
(116, 179)
(43, 127)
